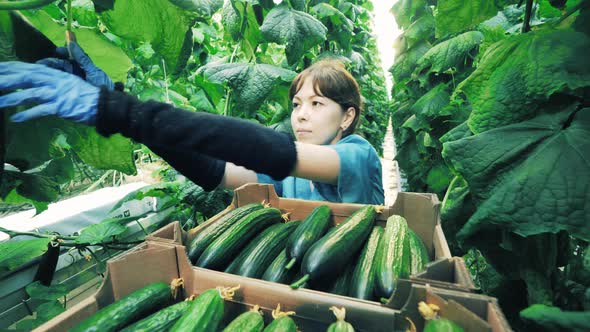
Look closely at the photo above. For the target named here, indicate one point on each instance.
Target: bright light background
(386, 30)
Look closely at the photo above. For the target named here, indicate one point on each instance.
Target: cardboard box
(156, 261)
(472, 312)
(420, 210)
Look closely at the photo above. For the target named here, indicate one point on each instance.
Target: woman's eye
(316, 103)
(295, 105)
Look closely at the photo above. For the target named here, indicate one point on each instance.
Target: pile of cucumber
(151, 308)
(355, 258)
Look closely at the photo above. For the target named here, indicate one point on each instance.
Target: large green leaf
(458, 15)
(114, 152)
(98, 233)
(251, 83)
(239, 20)
(323, 10)
(297, 30)
(407, 11)
(203, 7)
(44, 312)
(554, 319)
(450, 53)
(530, 177)
(83, 12)
(165, 26)
(422, 29)
(433, 103)
(15, 253)
(518, 75)
(103, 53)
(461, 131)
(406, 62)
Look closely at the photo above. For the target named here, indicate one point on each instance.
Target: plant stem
(69, 10)
(574, 9)
(526, 27)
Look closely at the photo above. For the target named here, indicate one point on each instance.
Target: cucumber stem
(291, 263)
(300, 282)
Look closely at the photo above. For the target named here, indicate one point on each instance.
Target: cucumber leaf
(517, 75)
(15, 253)
(529, 177)
(297, 30)
(251, 83)
(458, 15)
(38, 291)
(407, 11)
(450, 53)
(98, 233)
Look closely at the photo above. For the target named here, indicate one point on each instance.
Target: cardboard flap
(457, 313)
(255, 193)
(130, 272)
(445, 271)
(469, 320)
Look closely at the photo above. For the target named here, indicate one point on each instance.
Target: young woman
(327, 162)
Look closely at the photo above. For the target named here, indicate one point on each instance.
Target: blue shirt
(359, 180)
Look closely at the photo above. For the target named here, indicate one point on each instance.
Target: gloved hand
(92, 73)
(57, 92)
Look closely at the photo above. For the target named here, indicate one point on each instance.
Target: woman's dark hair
(331, 79)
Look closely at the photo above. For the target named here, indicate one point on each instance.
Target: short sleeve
(360, 178)
(263, 178)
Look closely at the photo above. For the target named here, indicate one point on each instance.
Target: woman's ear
(348, 118)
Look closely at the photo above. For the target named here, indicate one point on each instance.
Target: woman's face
(316, 119)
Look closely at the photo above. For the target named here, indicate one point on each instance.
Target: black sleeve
(201, 169)
(156, 124)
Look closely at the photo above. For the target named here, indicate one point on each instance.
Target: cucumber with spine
(259, 254)
(313, 227)
(363, 277)
(224, 248)
(202, 240)
(161, 320)
(128, 309)
(394, 255)
(250, 321)
(333, 252)
(418, 253)
(204, 313)
(276, 271)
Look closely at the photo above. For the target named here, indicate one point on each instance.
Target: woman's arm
(314, 162)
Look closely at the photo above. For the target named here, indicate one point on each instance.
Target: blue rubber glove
(56, 92)
(93, 74)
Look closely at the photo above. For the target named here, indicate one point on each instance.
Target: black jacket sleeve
(160, 125)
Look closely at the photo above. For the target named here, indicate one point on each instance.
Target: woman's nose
(303, 112)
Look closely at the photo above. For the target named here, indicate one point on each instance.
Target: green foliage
(511, 83)
(554, 319)
(507, 112)
(299, 30)
(543, 154)
(98, 233)
(16, 253)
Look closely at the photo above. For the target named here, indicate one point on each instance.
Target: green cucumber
(204, 313)
(395, 257)
(313, 227)
(206, 236)
(418, 253)
(282, 322)
(442, 325)
(342, 284)
(250, 321)
(276, 271)
(259, 254)
(363, 278)
(161, 320)
(329, 256)
(224, 248)
(340, 325)
(128, 309)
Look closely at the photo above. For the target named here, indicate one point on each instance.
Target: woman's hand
(92, 74)
(55, 92)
